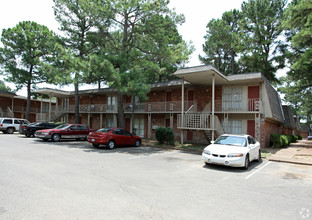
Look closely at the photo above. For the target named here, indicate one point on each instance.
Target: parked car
(64, 131)
(10, 125)
(112, 137)
(232, 150)
(309, 137)
(30, 129)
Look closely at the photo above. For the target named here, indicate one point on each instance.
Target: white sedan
(232, 150)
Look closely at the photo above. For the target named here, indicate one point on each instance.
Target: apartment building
(201, 105)
(14, 106)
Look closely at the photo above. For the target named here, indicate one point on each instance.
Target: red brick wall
(267, 129)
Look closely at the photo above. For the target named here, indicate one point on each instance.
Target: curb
(290, 161)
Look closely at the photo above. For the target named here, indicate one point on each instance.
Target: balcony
(160, 107)
(91, 108)
(250, 105)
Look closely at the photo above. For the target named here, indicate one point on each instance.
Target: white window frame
(232, 98)
(233, 127)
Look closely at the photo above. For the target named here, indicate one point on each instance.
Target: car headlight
(235, 155)
(206, 152)
(45, 133)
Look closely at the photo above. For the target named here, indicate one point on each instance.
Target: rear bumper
(97, 140)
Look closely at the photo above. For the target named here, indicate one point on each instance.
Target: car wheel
(10, 130)
(28, 135)
(4, 132)
(137, 143)
(246, 166)
(111, 144)
(259, 156)
(95, 145)
(56, 137)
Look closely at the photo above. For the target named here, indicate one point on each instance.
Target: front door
(128, 124)
(253, 98)
(189, 135)
(251, 128)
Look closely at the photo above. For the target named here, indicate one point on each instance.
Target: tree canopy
(26, 47)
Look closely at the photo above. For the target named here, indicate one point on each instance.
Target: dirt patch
(306, 157)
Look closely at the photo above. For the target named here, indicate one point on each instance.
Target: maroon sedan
(69, 131)
(112, 137)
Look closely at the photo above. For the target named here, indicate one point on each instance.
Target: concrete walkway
(298, 153)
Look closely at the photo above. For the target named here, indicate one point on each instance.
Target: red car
(69, 131)
(112, 137)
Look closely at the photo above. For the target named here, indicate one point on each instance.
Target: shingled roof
(289, 117)
(6, 93)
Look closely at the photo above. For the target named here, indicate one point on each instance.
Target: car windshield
(62, 127)
(232, 140)
(105, 130)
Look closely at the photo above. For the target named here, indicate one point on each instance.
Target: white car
(232, 150)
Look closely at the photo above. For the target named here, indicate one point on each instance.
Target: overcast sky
(197, 14)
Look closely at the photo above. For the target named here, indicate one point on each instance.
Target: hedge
(279, 141)
(164, 135)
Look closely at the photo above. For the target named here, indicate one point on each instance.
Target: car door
(118, 137)
(253, 148)
(127, 138)
(82, 131)
(71, 132)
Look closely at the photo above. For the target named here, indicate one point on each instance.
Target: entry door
(251, 128)
(167, 123)
(189, 135)
(128, 124)
(190, 98)
(253, 98)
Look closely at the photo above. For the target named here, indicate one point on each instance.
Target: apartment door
(251, 127)
(253, 98)
(189, 135)
(128, 124)
(190, 98)
(167, 123)
(168, 101)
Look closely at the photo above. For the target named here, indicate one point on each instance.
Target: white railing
(160, 106)
(249, 105)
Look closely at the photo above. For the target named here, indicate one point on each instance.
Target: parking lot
(73, 180)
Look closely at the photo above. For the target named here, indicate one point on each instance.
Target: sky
(197, 15)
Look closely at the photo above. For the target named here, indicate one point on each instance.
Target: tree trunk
(77, 121)
(28, 99)
(121, 117)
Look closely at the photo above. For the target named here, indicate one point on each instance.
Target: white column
(41, 108)
(213, 106)
(101, 120)
(50, 108)
(182, 112)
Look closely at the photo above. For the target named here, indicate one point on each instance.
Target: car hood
(226, 149)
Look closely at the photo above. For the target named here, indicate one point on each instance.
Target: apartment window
(110, 122)
(111, 102)
(45, 107)
(232, 98)
(233, 127)
(139, 126)
(65, 104)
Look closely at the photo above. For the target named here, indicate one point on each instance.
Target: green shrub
(276, 141)
(164, 135)
(295, 138)
(284, 140)
(299, 137)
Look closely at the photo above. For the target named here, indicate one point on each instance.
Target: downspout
(213, 106)
(182, 112)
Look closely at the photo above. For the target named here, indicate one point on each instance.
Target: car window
(73, 128)
(7, 121)
(64, 126)
(81, 128)
(126, 133)
(231, 140)
(251, 140)
(17, 122)
(105, 130)
(117, 131)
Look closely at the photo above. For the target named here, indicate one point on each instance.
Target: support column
(171, 120)
(213, 106)
(50, 108)
(101, 120)
(41, 108)
(89, 117)
(149, 126)
(182, 112)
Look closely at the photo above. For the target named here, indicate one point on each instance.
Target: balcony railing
(160, 106)
(95, 108)
(250, 105)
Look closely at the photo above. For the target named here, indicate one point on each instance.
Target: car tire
(137, 143)
(259, 156)
(10, 130)
(56, 137)
(95, 145)
(246, 166)
(111, 144)
(4, 132)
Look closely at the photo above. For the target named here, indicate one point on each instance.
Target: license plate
(92, 139)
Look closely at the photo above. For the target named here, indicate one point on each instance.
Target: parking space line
(152, 155)
(250, 175)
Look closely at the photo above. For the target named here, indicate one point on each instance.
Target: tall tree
(84, 24)
(262, 24)
(222, 42)
(5, 88)
(135, 39)
(26, 47)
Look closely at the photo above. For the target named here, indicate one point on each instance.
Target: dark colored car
(112, 137)
(30, 129)
(64, 131)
